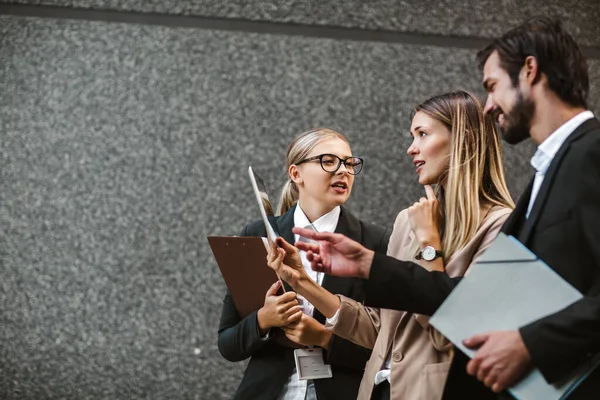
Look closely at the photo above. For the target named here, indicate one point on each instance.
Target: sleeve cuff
(267, 335)
(333, 320)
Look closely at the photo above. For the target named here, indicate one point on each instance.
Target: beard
(517, 122)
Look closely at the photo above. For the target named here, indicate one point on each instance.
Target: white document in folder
(506, 289)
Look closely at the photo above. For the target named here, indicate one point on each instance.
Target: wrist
(261, 320)
(302, 284)
(365, 267)
(433, 241)
(296, 280)
(325, 339)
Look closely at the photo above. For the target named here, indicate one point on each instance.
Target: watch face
(428, 253)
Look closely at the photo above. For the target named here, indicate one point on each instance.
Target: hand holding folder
(507, 288)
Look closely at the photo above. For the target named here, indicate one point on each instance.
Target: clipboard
(243, 264)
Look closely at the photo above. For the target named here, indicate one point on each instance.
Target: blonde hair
(298, 150)
(475, 176)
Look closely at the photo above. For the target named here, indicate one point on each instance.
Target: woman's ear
(294, 174)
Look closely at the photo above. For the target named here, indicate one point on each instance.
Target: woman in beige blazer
(456, 148)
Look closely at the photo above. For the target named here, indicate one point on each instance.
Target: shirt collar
(325, 223)
(548, 148)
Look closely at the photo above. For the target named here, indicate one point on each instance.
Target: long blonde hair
(298, 150)
(475, 176)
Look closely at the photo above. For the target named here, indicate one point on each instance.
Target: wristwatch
(428, 254)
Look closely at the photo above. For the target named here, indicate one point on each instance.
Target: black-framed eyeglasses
(331, 163)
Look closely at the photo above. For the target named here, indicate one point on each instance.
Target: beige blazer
(420, 356)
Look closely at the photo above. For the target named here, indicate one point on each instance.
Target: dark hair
(558, 56)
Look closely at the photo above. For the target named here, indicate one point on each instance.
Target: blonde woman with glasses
(320, 169)
(457, 149)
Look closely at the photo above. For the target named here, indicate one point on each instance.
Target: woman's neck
(313, 210)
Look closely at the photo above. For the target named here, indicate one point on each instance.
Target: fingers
(293, 323)
(316, 262)
(274, 288)
(288, 248)
(285, 310)
(488, 378)
(430, 193)
(314, 235)
(476, 341)
(498, 387)
(275, 258)
(473, 366)
(483, 372)
(292, 311)
(273, 252)
(294, 317)
(307, 246)
(287, 297)
(319, 268)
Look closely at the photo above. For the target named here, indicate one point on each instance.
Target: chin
(339, 201)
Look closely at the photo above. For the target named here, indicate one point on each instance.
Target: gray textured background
(123, 146)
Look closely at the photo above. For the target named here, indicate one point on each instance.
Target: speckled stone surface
(478, 18)
(122, 147)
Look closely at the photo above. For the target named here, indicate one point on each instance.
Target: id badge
(310, 365)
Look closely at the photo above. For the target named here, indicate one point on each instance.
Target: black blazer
(563, 229)
(271, 364)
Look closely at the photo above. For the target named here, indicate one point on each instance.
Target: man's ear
(295, 175)
(530, 71)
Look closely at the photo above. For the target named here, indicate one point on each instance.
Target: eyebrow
(416, 129)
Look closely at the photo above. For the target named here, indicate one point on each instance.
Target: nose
(412, 149)
(344, 170)
(489, 105)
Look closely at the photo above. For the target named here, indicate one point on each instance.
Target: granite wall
(123, 145)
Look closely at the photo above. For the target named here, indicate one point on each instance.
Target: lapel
(515, 221)
(540, 200)
(285, 223)
(349, 226)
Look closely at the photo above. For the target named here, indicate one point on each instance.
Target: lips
(418, 164)
(340, 187)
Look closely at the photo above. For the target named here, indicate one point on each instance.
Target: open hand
(335, 254)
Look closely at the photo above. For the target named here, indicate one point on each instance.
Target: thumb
(273, 289)
(476, 341)
(281, 242)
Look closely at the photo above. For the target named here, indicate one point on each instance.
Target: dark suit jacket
(563, 229)
(272, 364)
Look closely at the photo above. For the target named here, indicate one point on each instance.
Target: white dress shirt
(294, 388)
(546, 151)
